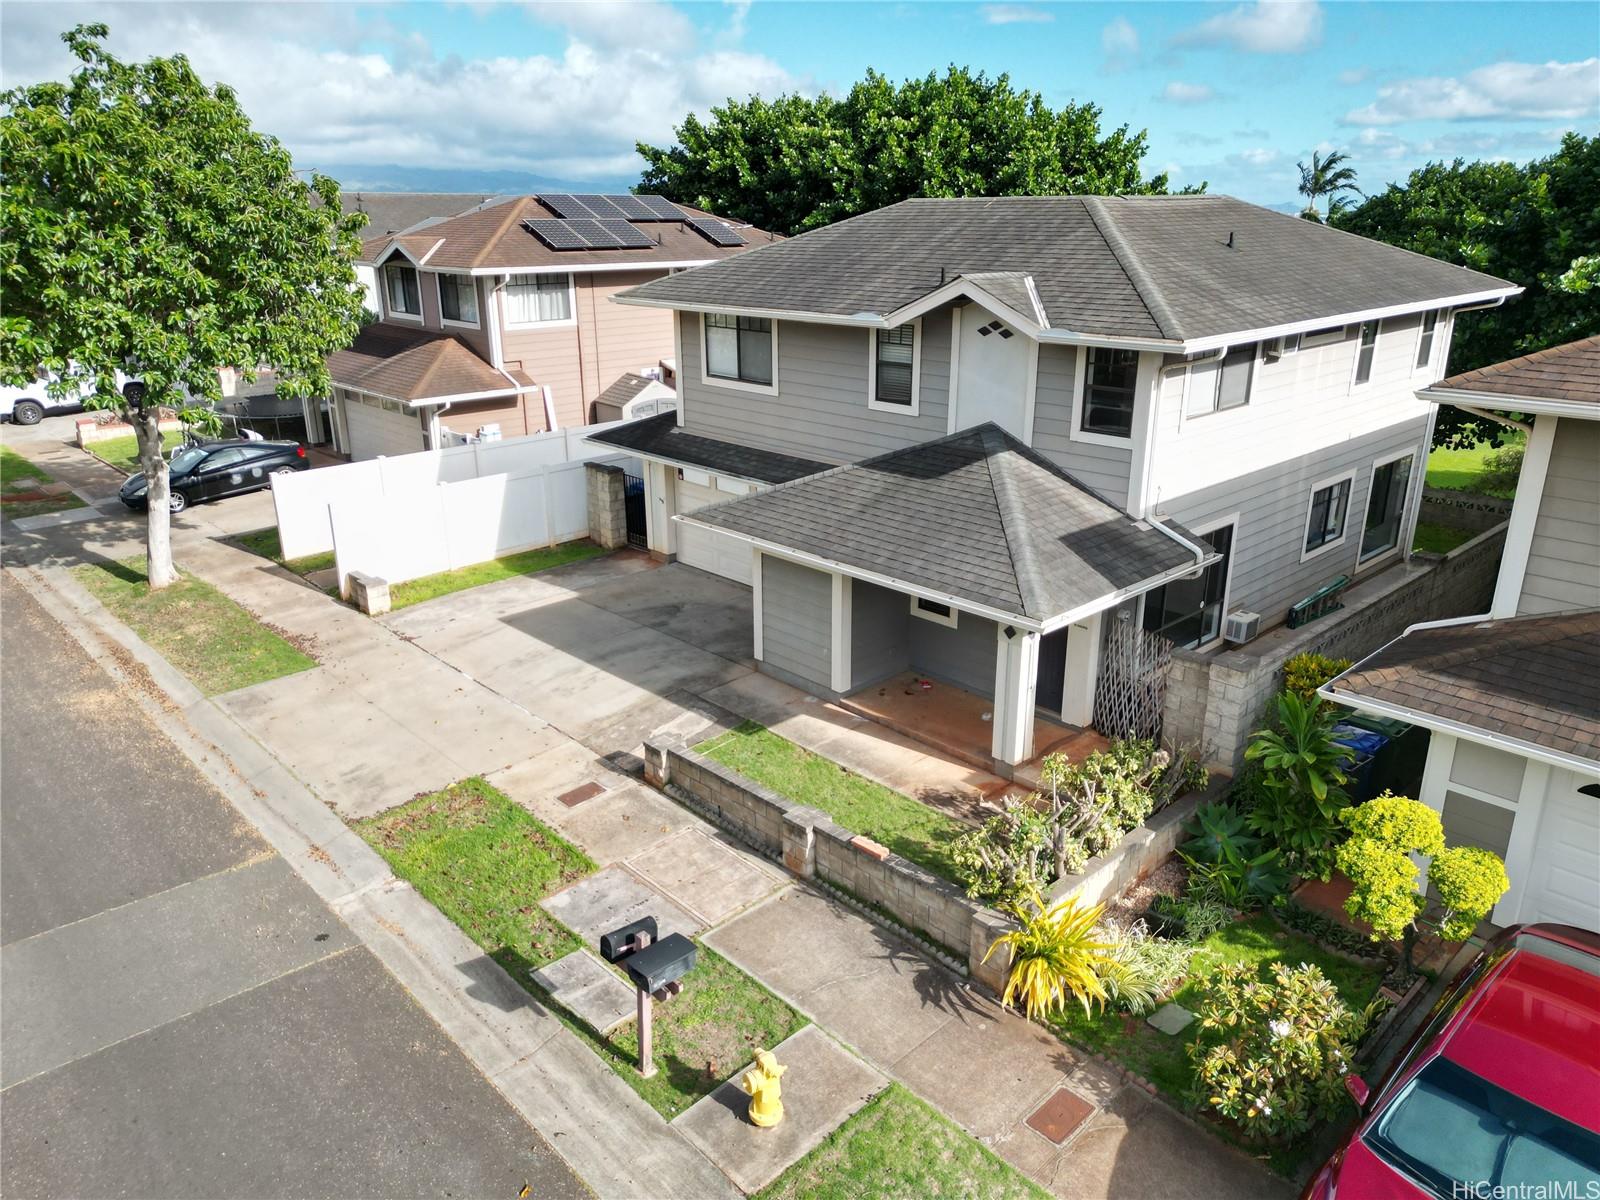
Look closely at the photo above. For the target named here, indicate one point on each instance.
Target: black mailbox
(618, 943)
(661, 963)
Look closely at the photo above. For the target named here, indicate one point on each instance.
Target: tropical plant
(1140, 969)
(1238, 880)
(1007, 858)
(1305, 673)
(1213, 828)
(1056, 953)
(1094, 801)
(1302, 784)
(1328, 175)
(1199, 914)
(1271, 1055)
(149, 230)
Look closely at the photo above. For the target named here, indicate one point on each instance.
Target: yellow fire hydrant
(761, 1084)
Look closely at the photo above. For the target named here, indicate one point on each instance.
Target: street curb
(599, 1126)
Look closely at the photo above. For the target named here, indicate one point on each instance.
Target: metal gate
(633, 500)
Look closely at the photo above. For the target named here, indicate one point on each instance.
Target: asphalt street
(180, 1015)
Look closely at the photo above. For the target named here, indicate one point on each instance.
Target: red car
(1498, 1095)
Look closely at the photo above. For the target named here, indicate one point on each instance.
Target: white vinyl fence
(411, 515)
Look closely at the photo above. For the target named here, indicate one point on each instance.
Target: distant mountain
(392, 177)
(1292, 207)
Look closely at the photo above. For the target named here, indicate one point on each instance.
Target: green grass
(218, 645)
(896, 1145)
(1439, 539)
(909, 828)
(485, 863)
(123, 452)
(1461, 470)
(529, 562)
(265, 543)
(18, 474)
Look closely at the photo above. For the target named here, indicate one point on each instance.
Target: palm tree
(1327, 176)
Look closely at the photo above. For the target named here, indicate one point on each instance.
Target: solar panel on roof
(630, 236)
(564, 205)
(661, 209)
(595, 235)
(558, 235)
(602, 207)
(718, 233)
(633, 208)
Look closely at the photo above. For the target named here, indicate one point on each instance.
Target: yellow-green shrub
(1305, 673)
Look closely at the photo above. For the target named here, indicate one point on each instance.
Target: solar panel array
(613, 208)
(594, 222)
(718, 233)
(588, 233)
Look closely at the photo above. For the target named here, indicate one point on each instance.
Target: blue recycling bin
(1364, 745)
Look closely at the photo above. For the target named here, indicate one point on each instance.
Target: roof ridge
(1024, 563)
(1154, 302)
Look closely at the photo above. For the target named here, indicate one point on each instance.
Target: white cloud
(1506, 90)
(1120, 41)
(1354, 76)
(1015, 14)
(1178, 92)
(619, 24)
(322, 87)
(1258, 156)
(738, 21)
(1262, 27)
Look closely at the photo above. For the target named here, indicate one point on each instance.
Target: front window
(1325, 526)
(1430, 327)
(1365, 350)
(1189, 611)
(538, 299)
(739, 348)
(892, 363)
(1386, 506)
(1215, 386)
(400, 286)
(1108, 387)
(1457, 1134)
(458, 299)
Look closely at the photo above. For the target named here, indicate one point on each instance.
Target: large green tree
(1537, 225)
(796, 163)
(147, 230)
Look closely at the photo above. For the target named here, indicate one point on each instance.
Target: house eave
(1538, 405)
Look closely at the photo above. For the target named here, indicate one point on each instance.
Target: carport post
(1015, 676)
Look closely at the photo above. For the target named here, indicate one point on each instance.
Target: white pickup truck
(29, 405)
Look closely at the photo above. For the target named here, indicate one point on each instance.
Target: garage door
(706, 548)
(1564, 883)
(372, 429)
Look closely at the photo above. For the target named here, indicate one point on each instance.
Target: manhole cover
(1058, 1116)
(579, 794)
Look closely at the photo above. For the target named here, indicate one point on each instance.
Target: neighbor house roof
(418, 367)
(659, 437)
(976, 517)
(493, 238)
(1563, 380)
(1174, 269)
(394, 212)
(1534, 681)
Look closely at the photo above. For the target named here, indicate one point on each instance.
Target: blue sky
(1231, 93)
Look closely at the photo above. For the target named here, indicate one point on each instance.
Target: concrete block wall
(916, 898)
(605, 487)
(1463, 510)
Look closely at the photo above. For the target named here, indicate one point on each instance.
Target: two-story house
(1512, 698)
(495, 321)
(985, 440)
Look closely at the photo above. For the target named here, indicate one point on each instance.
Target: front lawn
(529, 562)
(895, 1145)
(909, 828)
(1463, 470)
(218, 645)
(123, 452)
(1439, 539)
(19, 475)
(265, 543)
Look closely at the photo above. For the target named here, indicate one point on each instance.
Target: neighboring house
(389, 213)
(494, 322)
(1512, 698)
(1057, 408)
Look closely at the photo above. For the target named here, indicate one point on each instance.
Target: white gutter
(689, 466)
(569, 267)
(429, 401)
(1462, 398)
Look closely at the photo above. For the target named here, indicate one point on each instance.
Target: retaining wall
(1463, 510)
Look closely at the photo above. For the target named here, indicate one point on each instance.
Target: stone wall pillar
(800, 840)
(987, 969)
(606, 486)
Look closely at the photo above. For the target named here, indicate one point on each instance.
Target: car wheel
(283, 470)
(27, 412)
(177, 502)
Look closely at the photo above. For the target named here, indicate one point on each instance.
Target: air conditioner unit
(1241, 627)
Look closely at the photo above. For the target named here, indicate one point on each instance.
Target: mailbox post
(656, 968)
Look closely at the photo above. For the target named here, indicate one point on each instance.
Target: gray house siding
(820, 410)
(797, 620)
(1564, 557)
(964, 656)
(879, 641)
(1267, 573)
(1103, 468)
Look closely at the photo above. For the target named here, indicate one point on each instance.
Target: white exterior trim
(1080, 378)
(1142, 457)
(1016, 676)
(1545, 406)
(572, 305)
(430, 401)
(1082, 671)
(737, 385)
(1357, 385)
(593, 268)
(906, 410)
(1030, 396)
(1344, 529)
(1365, 562)
(677, 363)
(1234, 519)
(1426, 368)
(390, 313)
(1524, 515)
(840, 634)
(491, 301)
(956, 289)
(955, 367)
(918, 611)
(758, 651)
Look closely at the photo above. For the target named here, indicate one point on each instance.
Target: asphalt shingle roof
(1114, 266)
(394, 212)
(1570, 372)
(660, 437)
(977, 516)
(414, 365)
(1535, 680)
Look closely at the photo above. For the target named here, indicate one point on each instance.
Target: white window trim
(905, 410)
(572, 305)
(1426, 368)
(739, 385)
(1344, 530)
(438, 277)
(393, 314)
(1367, 561)
(949, 622)
(1355, 362)
(1080, 375)
(1185, 416)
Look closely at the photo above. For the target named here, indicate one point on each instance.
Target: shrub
(1239, 881)
(1203, 916)
(1140, 969)
(1056, 953)
(1305, 673)
(1271, 1056)
(1501, 469)
(1213, 829)
(1470, 881)
(1303, 785)
(1006, 859)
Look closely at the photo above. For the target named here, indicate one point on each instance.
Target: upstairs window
(1215, 386)
(1366, 348)
(894, 351)
(1108, 386)
(458, 299)
(1425, 340)
(739, 348)
(538, 299)
(1330, 504)
(400, 289)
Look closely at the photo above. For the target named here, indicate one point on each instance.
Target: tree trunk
(158, 526)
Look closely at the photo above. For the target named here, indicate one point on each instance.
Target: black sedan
(217, 469)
